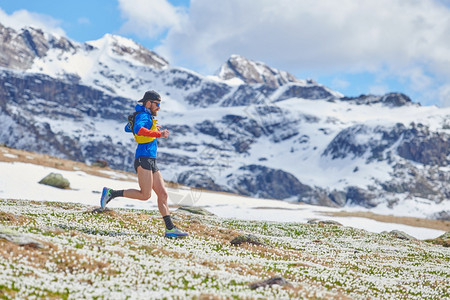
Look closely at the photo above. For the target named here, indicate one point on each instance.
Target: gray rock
(425, 147)
(400, 235)
(362, 197)
(268, 183)
(249, 239)
(324, 222)
(55, 180)
(196, 210)
(252, 72)
(20, 239)
(307, 92)
(99, 210)
(390, 99)
(313, 221)
(269, 282)
(338, 197)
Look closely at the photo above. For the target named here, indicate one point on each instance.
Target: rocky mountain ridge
(252, 129)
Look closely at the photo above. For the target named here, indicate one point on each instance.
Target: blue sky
(352, 46)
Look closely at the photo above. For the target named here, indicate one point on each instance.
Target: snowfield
(21, 181)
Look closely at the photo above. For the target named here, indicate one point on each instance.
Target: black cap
(150, 95)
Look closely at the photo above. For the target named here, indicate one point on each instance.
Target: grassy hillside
(80, 253)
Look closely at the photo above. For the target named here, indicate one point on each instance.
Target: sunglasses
(157, 103)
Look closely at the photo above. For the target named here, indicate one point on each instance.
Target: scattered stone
(400, 235)
(20, 239)
(55, 180)
(329, 222)
(324, 222)
(313, 221)
(196, 210)
(100, 210)
(269, 282)
(249, 239)
(100, 163)
(443, 240)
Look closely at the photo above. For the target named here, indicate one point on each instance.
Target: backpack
(131, 119)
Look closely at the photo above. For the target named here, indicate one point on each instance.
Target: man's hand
(165, 133)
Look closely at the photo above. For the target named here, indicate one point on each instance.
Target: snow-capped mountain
(250, 129)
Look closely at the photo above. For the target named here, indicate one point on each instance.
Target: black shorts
(146, 163)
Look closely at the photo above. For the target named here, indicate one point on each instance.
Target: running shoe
(175, 233)
(106, 196)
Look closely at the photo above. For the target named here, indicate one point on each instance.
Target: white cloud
(333, 35)
(444, 95)
(407, 40)
(150, 18)
(348, 35)
(23, 18)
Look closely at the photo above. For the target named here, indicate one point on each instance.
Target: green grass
(123, 252)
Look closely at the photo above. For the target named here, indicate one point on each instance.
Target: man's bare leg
(145, 180)
(161, 192)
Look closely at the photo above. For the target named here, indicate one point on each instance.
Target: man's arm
(141, 120)
(147, 132)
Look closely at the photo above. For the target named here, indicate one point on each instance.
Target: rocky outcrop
(312, 92)
(23, 106)
(361, 197)
(416, 143)
(425, 147)
(252, 72)
(200, 179)
(390, 99)
(137, 52)
(209, 93)
(360, 139)
(62, 98)
(243, 96)
(19, 49)
(266, 183)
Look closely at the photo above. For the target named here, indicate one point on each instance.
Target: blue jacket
(144, 119)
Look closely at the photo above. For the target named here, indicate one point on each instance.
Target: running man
(146, 133)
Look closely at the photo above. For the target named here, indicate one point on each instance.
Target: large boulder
(55, 180)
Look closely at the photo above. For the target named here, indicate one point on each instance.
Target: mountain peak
(125, 47)
(253, 72)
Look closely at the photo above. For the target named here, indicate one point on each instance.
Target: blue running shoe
(175, 233)
(106, 196)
